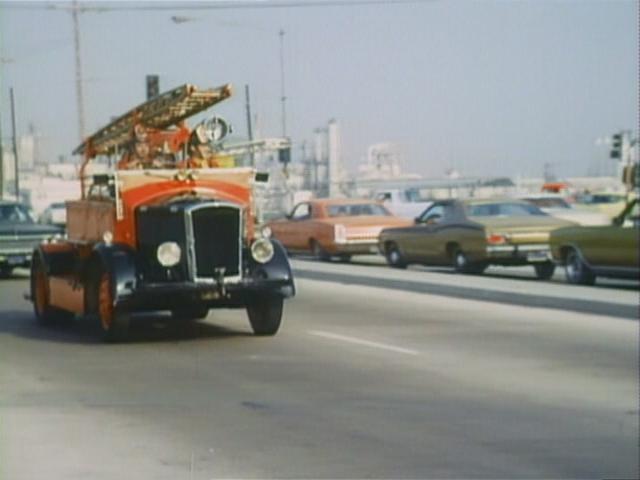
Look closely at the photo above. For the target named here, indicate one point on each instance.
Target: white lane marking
(359, 341)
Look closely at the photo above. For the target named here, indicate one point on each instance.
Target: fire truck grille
(156, 225)
(217, 233)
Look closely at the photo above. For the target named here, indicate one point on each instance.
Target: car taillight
(496, 239)
(339, 233)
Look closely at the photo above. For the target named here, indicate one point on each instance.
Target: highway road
(376, 373)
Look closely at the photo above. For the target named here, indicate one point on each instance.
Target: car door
(419, 243)
(289, 230)
(623, 239)
(447, 229)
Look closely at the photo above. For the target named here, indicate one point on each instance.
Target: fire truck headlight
(168, 254)
(262, 250)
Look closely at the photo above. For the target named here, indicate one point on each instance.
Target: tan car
(472, 234)
(608, 251)
(335, 227)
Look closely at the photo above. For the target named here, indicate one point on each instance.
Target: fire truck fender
(119, 261)
(57, 259)
(279, 269)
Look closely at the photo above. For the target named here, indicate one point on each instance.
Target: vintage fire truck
(168, 229)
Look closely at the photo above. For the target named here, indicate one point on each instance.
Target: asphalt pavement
(366, 379)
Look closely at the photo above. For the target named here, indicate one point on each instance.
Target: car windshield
(15, 214)
(549, 202)
(356, 209)
(412, 195)
(503, 209)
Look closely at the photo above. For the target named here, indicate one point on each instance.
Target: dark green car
(608, 251)
(472, 234)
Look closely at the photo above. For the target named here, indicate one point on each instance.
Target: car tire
(394, 256)
(114, 321)
(544, 271)
(265, 315)
(44, 312)
(345, 258)
(461, 263)
(318, 252)
(578, 272)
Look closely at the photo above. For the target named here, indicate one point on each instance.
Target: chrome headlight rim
(262, 250)
(169, 254)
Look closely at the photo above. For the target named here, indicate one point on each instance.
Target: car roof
(485, 201)
(543, 195)
(342, 201)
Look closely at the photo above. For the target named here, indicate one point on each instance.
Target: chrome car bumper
(356, 246)
(529, 253)
(15, 257)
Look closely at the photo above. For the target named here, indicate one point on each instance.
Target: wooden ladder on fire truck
(161, 112)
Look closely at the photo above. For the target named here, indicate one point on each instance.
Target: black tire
(44, 312)
(394, 256)
(114, 321)
(544, 271)
(461, 263)
(318, 252)
(5, 271)
(265, 315)
(190, 313)
(576, 270)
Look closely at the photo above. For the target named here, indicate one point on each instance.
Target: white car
(55, 214)
(402, 202)
(557, 206)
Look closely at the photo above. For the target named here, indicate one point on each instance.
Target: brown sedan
(335, 227)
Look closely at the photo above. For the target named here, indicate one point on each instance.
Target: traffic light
(616, 146)
(284, 155)
(153, 86)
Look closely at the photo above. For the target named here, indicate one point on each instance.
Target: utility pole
(2, 62)
(15, 143)
(1, 159)
(249, 127)
(283, 97)
(76, 42)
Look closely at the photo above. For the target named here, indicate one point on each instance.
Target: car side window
(301, 212)
(434, 215)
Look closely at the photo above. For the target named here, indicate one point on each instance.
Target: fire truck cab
(167, 229)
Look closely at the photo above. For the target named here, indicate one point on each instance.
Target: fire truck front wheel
(114, 322)
(265, 315)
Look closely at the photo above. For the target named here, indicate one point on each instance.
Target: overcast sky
(488, 87)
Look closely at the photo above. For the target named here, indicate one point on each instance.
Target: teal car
(607, 251)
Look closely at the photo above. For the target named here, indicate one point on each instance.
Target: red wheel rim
(40, 291)
(105, 301)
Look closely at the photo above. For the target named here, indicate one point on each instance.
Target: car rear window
(549, 202)
(502, 209)
(356, 209)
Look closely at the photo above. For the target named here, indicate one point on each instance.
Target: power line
(98, 7)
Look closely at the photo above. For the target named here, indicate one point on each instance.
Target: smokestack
(334, 158)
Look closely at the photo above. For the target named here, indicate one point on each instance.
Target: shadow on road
(502, 273)
(143, 329)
